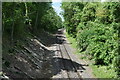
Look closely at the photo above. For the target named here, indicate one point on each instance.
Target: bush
(99, 41)
(96, 28)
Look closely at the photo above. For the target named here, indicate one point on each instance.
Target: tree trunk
(35, 27)
(12, 31)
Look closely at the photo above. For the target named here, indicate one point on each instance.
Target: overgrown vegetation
(20, 19)
(100, 71)
(95, 27)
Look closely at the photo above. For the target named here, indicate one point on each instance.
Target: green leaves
(29, 17)
(100, 41)
(96, 27)
(52, 19)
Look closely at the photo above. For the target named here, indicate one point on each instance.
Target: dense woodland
(95, 27)
(18, 18)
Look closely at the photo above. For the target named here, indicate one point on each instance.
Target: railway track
(75, 69)
(67, 67)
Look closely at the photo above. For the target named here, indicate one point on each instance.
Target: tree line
(95, 26)
(20, 19)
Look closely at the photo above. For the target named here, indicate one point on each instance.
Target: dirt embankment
(29, 58)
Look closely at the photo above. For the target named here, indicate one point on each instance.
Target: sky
(56, 5)
(102, 0)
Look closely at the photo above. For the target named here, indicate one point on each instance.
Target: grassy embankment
(99, 71)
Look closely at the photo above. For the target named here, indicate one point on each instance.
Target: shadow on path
(63, 61)
(60, 63)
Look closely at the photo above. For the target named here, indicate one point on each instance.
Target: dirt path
(65, 63)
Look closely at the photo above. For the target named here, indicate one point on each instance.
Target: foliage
(96, 30)
(71, 15)
(31, 17)
(52, 19)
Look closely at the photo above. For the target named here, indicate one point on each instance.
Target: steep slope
(29, 58)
